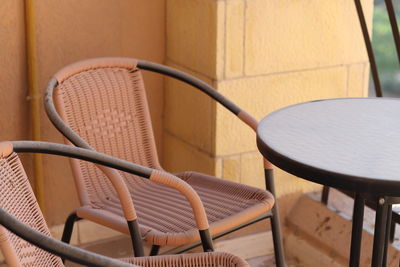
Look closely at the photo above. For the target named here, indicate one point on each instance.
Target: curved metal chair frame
(40, 238)
(55, 246)
(179, 75)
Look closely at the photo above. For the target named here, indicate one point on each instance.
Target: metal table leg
(356, 232)
(380, 232)
(387, 234)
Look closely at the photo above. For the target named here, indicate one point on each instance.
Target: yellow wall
(263, 55)
(67, 31)
(13, 93)
(14, 123)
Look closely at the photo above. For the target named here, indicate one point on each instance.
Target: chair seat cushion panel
(166, 218)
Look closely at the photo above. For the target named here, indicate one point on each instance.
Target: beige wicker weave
(17, 199)
(206, 259)
(104, 102)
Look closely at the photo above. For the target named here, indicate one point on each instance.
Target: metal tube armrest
(202, 86)
(123, 165)
(55, 246)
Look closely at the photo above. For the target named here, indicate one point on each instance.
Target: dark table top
(349, 143)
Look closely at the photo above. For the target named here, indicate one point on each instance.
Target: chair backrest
(18, 199)
(104, 102)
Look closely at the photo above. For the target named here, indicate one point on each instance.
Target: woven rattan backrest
(18, 199)
(106, 105)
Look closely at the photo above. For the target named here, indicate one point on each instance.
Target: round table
(348, 143)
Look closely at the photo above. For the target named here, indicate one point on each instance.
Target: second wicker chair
(101, 104)
(20, 213)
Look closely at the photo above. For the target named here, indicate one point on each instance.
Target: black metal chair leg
(206, 240)
(137, 243)
(379, 233)
(325, 195)
(154, 250)
(368, 46)
(275, 223)
(69, 227)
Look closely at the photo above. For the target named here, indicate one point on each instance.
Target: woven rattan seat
(101, 104)
(18, 200)
(155, 203)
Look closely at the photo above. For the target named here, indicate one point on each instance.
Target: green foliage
(382, 41)
(384, 49)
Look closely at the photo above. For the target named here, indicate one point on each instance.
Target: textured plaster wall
(263, 55)
(13, 91)
(67, 31)
(14, 103)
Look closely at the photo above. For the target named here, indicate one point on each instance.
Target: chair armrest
(81, 153)
(248, 119)
(185, 189)
(205, 88)
(123, 165)
(55, 246)
(202, 86)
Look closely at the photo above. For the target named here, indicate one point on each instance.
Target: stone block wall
(263, 55)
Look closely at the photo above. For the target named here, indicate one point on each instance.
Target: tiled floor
(262, 261)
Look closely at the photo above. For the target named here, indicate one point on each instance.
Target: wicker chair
(101, 104)
(27, 223)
